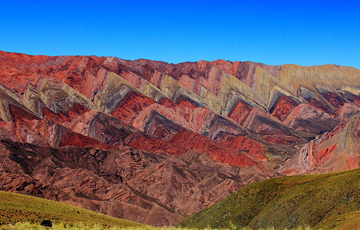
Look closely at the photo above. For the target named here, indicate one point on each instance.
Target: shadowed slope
(156, 189)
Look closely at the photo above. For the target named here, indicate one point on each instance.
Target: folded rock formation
(154, 142)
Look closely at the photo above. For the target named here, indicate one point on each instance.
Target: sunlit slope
(342, 222)
(15, 208)
(285, 202)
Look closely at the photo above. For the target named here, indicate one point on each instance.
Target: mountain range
(154, 142)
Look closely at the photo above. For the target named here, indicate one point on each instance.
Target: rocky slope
(333, 151)
(191, 133)
(156, 189)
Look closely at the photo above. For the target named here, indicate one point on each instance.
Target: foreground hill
(21, 208)
(342, 222)
(26, 212)
(325, 200)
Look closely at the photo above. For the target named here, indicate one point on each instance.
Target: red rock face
(201, 144)
(283, 107)
(240, 113)
(75, 139)
(334, 99)
(20, 115)
(356, 100)
(323, 153)
(353, 162)
(76, 111)
(130, 107)
(154, 142)
(236, 152)
(19, 70)
(245, 145)
(317, 104)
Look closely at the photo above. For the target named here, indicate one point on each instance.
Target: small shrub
(46, 223)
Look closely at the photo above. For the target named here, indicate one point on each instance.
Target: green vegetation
(20, 226)
(287, 202)
(26, 212)
(20, 208)
(342, 222)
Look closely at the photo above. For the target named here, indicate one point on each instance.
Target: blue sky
(272, 32)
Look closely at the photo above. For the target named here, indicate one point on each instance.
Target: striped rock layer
(159, 141)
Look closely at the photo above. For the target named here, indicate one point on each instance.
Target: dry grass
(16, 208)
(287, 202)
(82, 226)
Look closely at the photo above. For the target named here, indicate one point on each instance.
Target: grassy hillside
(342, 222)
(27, 226)
(20, 208)
(311, 200)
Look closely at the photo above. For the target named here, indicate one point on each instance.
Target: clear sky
(307, 32)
